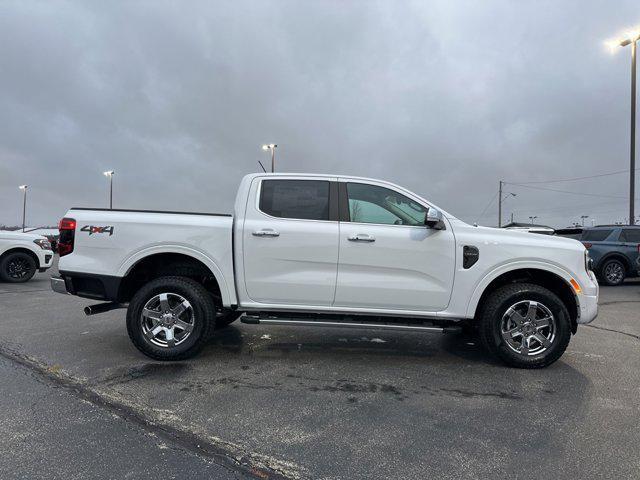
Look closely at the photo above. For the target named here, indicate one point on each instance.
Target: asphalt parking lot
(270, 402)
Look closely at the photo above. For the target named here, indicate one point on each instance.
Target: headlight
(43, 243)
(588, 262)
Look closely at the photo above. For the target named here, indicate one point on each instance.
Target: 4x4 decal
(91, 229)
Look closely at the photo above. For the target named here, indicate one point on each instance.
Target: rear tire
(525, 325)
(612, 272)
(170, 318)
(17, 267)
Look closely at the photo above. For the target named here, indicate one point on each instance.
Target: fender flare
(133, 259)
(482, 285)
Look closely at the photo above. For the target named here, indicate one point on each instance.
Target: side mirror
(434, 219)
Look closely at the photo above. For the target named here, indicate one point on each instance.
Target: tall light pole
(24, 204)
(110, 173)
(501, 199)
(630, 38)
(582, 217)
(532, 218)
(500, 204)
(272, 147)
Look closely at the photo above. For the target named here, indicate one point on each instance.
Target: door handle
(362, 237)
(265, 232)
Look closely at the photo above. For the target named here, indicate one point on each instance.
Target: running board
(410, 327)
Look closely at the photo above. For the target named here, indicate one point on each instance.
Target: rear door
(389, 259)
(290, 241)
(630, 238)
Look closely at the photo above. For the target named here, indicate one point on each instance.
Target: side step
(375, 323)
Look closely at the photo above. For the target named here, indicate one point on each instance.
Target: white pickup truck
(22, 254)
(332, 251)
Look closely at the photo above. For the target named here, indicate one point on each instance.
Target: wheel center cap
(167, 319)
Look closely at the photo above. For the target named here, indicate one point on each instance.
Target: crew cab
(22, 254)
(326, 251)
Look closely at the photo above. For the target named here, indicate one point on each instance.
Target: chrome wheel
(167, 320)
(614, 272)
(528, 328)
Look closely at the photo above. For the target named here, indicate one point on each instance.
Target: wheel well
(22, 250)
(543, 278)
(617, 256)
(164, 264)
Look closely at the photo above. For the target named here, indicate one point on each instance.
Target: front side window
(299, 199)
(374, 204)
(595, 235)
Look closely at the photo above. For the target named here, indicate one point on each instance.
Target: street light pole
(632, 172)
(24, 204)
(500, 204)
(109, 173)
(532, 218)
(582, 217)
(272, 147)
(631, 38)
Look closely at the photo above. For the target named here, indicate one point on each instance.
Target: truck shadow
(309, 341)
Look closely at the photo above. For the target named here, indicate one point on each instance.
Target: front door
(290, 243)
(388, 258)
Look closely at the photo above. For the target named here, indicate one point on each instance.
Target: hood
(517, 237)
(6, 235)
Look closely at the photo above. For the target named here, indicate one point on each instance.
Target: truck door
(388, 258)
(290, 241)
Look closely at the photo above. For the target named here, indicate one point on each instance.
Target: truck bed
(109, 242)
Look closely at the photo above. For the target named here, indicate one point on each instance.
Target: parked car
(614, 250)
(570, 232)
(326, 251)
(22, 254)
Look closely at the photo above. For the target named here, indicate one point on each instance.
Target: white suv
(21, 254)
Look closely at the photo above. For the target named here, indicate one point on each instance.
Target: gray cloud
(442, 97)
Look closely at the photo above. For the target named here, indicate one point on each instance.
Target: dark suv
(614, 250)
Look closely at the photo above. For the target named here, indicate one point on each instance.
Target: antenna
(262, 166)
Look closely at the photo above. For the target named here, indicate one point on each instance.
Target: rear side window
(595, 235)
(630, 235)
(300, 199)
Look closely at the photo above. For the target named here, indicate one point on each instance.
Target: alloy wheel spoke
(532, 311)
(544, 341)
(169, 334)
(180, 308)
(152, 314)
(525, 345)
(515, 316)
(155, 331)
(514, 332)
(186, 327)
(164, 302)
(543, 322)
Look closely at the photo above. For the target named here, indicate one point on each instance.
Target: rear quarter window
(630, 235)
(595, 235)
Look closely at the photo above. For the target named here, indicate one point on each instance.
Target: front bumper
(589, 303)
(46, 260)
(58, 285)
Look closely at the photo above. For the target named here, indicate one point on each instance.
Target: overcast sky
(442, 97)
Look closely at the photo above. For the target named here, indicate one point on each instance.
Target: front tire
(612, 272)
(170, 318)
(17, 267)
(525, 325)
